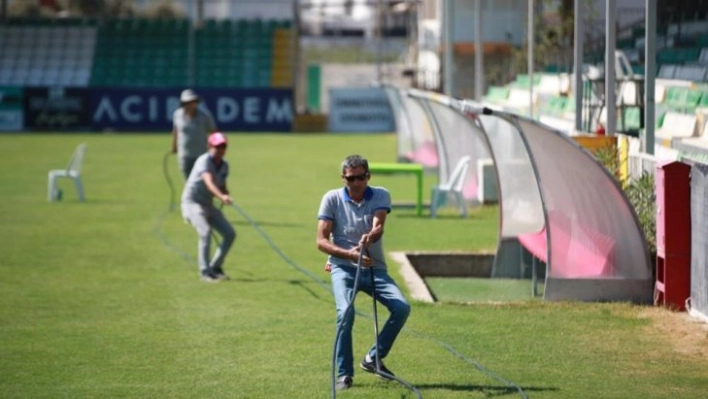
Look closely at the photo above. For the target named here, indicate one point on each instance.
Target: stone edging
(416, 285)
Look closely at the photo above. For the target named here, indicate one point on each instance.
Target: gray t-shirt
(195, 190)
(352, 220)
(192, 133)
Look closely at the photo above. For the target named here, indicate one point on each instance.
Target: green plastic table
(402, 168)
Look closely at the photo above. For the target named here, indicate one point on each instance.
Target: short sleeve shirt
(352, 220)
(195, 190)
(192, 133)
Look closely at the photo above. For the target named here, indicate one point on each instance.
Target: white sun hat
(188, 96)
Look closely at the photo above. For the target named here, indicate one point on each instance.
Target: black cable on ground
(169, 180)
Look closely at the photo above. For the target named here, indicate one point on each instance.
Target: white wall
(240, 9)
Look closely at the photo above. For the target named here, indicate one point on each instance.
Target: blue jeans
(387, 293)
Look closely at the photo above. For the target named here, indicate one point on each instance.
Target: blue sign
(241, 110)
(360, 109)
(57, 108)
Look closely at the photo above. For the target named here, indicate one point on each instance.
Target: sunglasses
(360, 177)
(221, 146)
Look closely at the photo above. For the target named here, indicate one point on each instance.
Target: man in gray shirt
(190, 128)
(351, 220)
(206, 181)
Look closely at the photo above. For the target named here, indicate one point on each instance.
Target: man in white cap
(190, 128)
(206, 181)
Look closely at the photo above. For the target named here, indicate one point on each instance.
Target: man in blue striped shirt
(351, 220)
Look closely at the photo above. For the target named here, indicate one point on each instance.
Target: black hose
(169, 180)
(325, 286)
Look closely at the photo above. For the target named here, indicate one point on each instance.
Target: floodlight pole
(530, 55)
(379, 40)
(448, 18)
(579, 43)
(478, 52)
(649, 77)
(610, 75)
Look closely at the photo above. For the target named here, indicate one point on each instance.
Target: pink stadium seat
(576, 253)
(426, 155)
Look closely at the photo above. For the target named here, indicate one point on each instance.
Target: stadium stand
(40, 53)
(282, 61)
(143, 52)
(676, 125)
(681, 87)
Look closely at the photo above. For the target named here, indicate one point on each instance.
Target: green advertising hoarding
(11, 114)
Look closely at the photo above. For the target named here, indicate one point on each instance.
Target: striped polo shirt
(352, 220)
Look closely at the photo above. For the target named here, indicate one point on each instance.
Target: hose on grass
(189, 258)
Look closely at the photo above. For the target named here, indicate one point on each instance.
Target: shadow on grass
(303, 284)
(488, 390)
(265, 224)
(413, 215)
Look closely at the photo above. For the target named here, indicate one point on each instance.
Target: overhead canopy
(415, 132)
(557, 201)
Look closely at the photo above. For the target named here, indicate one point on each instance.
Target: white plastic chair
(73, 171)
(454, 185)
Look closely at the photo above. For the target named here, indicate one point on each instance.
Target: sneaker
(209, 277)
(219, 273)
(344, 382)
(370, 367)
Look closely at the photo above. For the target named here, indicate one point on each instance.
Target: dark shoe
(209, 277)
(370, 367)
(219, 273)
(344, 382)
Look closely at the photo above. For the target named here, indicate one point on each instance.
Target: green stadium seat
(632, 119)
(497, 94)
(702, 40)
(555, 106)
(523, 80)
(703, 103)
(675, 97)
(569, 107)
(154, 52)
(682, 98)
(693, 98)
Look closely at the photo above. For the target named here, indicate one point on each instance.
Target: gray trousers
(185, 165)
(205, 218)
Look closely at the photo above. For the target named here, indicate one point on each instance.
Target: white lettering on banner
(152, 108)
(125, 109)
(226, 109)
(276, 114)
(251, 110)
(105, 106)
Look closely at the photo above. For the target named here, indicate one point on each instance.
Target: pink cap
(216, 139)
